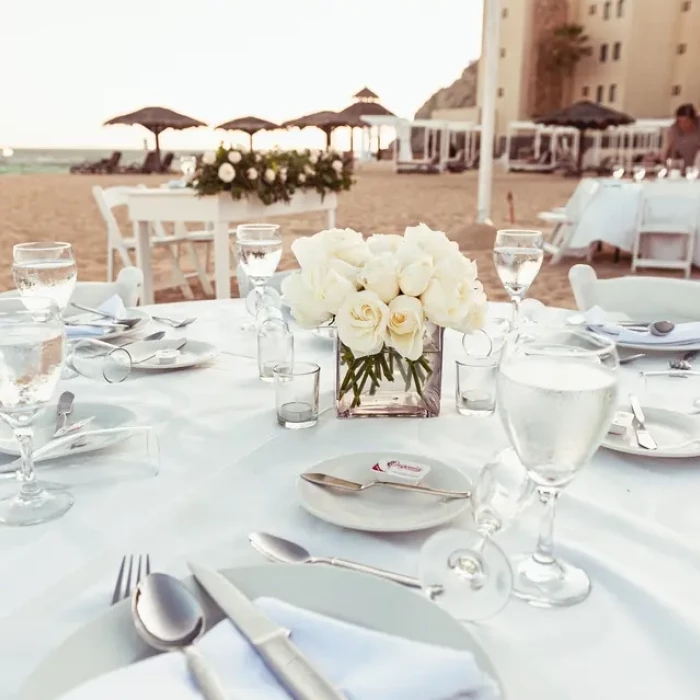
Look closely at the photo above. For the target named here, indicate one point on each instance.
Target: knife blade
(65, 406)
(644, 438)
(270, 640)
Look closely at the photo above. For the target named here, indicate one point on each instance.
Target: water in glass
(517, 267)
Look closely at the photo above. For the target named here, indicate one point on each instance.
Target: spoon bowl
(279, 549)
(661, 328)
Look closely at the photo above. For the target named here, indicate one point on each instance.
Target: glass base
(549, 585)
(50, 501)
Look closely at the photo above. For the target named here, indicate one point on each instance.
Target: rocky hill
(462, 93)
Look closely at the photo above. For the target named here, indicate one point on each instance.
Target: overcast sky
(68, 65)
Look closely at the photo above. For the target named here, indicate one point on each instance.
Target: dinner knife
(65, 406)
(644, 437)
(270, 640)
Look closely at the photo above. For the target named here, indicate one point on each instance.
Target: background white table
(228, 469)
(219, 211)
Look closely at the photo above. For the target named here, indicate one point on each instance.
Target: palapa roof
(156, 119)
(366, 94)
(325, 120)
(250, 125)
(586, 115)
(367, 109)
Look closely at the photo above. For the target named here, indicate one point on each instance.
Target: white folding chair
(666, 226)
(565, 219)
(117, 243)
(641, 298)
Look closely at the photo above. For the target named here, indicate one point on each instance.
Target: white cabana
(563, 139)
(625, 143)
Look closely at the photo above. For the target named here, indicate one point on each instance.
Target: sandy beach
(61, 207)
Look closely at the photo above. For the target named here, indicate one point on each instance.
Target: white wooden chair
(117, 243)
(128, 286)
(641, 298)
(566, 219)
(667, 226)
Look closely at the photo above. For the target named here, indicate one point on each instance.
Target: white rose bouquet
(384, 294)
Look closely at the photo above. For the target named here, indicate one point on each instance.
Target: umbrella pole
(581, 150)
(251, 140)
(328, 139)
(379, 142)
(156, 132)
(352, 136)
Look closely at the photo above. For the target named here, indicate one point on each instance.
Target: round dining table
(228, 469)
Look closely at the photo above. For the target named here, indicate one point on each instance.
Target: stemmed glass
(464, 571)
(46, 270)
(518, 256)
(639, 172)
(188, 165)
(557, 393)
(259, 248)
(32, 347)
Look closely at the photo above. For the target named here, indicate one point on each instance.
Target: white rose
(209, 158)
(235, 157)
(258, 157)
(283, 175)
(313, 159)
(302, 178)
(346, 245)
(252, 174)
(406, 327)
(384, 243)
(379, 275)
(270, 175)
(455, 266)
(361, 323)
(309, 170)
(435, 243)
(460, 306)
(315, 294)
(415, 269)
(337, 165)
(226, 172)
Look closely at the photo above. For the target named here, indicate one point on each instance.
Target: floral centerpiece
(390, 297)
(272, 176)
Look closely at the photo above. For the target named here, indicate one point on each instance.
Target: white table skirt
(227, 469)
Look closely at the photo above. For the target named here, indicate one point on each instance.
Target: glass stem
(544, 554)
(516, 310)
(29, 488)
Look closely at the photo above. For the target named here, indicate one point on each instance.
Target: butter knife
(65, 406)
(644, 438)
(271, 641)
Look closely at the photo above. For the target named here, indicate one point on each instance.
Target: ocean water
(36, 160)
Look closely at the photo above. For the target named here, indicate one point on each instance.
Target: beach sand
(61, 207)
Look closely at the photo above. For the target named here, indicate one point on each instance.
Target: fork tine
(138, 570)
(148, 565)
(117, 595)
(127, 590)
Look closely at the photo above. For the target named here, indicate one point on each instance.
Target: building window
(500, 92)
(592, 9)
(503, 53)
(620, 8)
(612, 93)
(504, 14)
(585, 91)
(603, 53)
(676, 90)
(617, 51)
(606, 10)
(682, 48)
(599, 93)
(685, 7)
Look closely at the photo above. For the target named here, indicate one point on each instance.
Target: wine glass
(188, 165)
(32, 347)
(517, 256)
(639, 172)
(557, 394)
(692, 173)
(464, 571)
(618, 172)
(46, 270)
(259, 248)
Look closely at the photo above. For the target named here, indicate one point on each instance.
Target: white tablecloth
(228, 469)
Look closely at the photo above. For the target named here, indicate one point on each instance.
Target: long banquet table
(228, 469)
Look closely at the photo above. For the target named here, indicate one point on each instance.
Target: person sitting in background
(683, 141)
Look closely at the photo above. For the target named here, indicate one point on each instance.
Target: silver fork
(123, 587)
(174, 322)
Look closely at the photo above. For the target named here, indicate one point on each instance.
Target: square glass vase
(386, 385)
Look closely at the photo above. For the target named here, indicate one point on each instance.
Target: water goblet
(32, 347)
(557, 394)
(188, 165)
(639, 172)
(518, 258)
(464, 571)
(692, 173)
(46, 270)
(618, 172)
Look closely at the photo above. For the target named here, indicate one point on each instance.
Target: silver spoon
(169, 618)
(661, 328)
(286, 552)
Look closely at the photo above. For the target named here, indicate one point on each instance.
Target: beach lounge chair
(427, 167)
(146, 168)
(105, 165)
(457, 164)
(166, 163)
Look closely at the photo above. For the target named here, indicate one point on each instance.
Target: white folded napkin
(363, 664)
(597, 316)
(114, 305)
(682, 334)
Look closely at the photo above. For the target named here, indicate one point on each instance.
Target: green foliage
(293, 170)
(562, 50)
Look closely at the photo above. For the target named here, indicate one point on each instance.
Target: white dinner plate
(111, 642)
(383, 509)
(677, 435)
(106, 416)
(192, 353)
(144, 320)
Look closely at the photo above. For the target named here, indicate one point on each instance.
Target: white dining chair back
(128, 286)
(641, 298)
(107, 199)
(667, 226)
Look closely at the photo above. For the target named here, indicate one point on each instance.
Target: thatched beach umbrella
(326, 121)
(249, 125)
(583, 116)
(367, 105)
(156, 120)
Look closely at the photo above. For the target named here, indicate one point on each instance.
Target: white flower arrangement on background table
(272, 176)
(381, 293)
